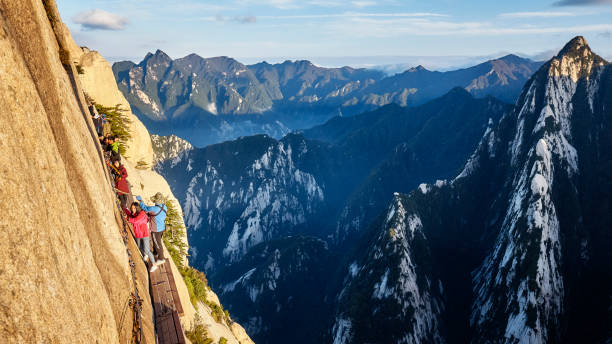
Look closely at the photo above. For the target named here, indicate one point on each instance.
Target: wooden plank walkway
(167, 306)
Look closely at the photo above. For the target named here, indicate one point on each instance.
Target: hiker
(106, 126)
(112, 147)
(97, 119)
(121, 183)
(112, 144)
(138, 218)
(104, 141)
(157, 215)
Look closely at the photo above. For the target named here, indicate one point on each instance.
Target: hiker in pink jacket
(139, 220)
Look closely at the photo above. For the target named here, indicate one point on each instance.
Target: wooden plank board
(179, 327)
(165, 299)
(171, 329)
(177, 301)
(157, 300)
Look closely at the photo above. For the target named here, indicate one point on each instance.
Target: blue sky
(436, 33)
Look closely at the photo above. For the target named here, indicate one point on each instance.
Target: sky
(438, 34)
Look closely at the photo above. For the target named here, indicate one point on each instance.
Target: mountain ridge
(210, 100)
(254, 191)
(530, 257)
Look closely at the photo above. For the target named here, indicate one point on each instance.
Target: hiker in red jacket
(121, 184)
(139, 220)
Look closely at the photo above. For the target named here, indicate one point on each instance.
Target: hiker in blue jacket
(157, 215)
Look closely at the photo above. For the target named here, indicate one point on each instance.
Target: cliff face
(64, 269)
(99, 83)
(63, 266)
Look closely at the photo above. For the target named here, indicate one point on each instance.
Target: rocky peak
(159, 57)
(418, 68)
(161, 54)
(575, 45)
(511, 57)
(225, 63)
(575, 60)
(169, 147)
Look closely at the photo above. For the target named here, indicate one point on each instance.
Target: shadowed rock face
(517, 246)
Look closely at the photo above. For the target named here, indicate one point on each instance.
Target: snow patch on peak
(342, 331)
(241, 280)
(539, 185)
(278, 194)
(440, 183)
(381, 290)
(399, 283)
(423, 188)
(530, 229)
(353, 269)
(212, 108)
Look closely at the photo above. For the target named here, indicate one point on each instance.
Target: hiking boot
(153, 268)
(146, 258)
(160, 261)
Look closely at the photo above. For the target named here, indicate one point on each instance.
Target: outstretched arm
(145, 207)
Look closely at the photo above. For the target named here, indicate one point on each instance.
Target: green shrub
(222, 340)
(64, 56)
(195, 280)
(174, 235)
(217, 312)
(50, 15)
(119, 122)
(79, 69)
(196, 284)
(198, 333)
(142, 165)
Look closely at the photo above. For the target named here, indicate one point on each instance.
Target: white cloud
(582, 2)
(357, 15)
(280, 4)
(537, 14)
(295, 4)
(324, 3)
(239, 19)
(347, 15)
(363, 3)
(394, 27)
(97, 19)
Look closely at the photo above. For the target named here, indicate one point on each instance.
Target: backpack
(152, 222)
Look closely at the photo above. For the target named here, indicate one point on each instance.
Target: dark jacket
(113, 150)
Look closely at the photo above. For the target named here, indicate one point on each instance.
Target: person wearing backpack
(121, 184)
(139, 220)
(157, 222)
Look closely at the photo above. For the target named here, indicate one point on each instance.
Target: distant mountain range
(459, 220)
(209, 100)
(322, 183)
